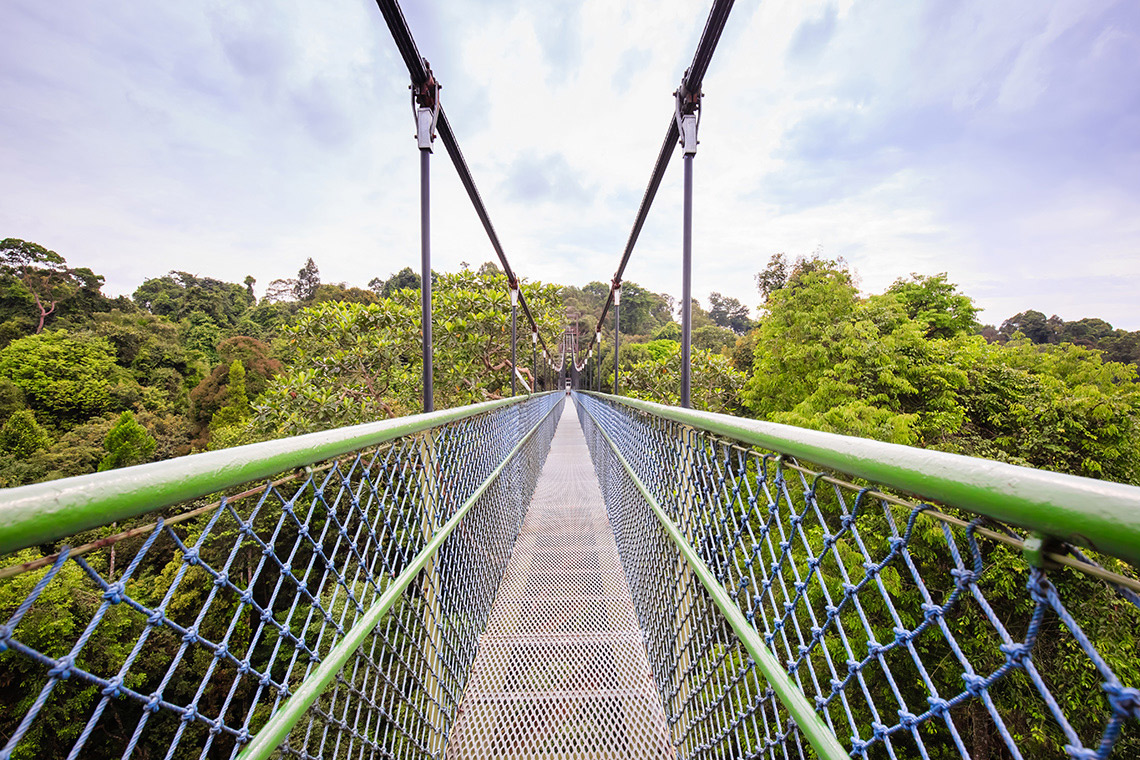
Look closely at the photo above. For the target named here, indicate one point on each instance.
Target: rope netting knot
(909, 631)
(181, 638)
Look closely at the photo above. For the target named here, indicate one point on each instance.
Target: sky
(996, 142)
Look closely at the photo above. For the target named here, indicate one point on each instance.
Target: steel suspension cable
(690, 83)
(402, 35)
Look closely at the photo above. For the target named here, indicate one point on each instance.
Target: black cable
(691, 82)
(417, 68)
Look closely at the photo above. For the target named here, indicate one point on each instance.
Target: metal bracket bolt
(688, 116)
(425, 106)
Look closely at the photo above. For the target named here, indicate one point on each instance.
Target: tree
(280, 291)
(642, 311)
(249, 282)
(154, 351)
(348, 362)
(235, 414)
(826, 359)
(936, 303)
(772, 277)
(210, 395)
(729, 313)
(65, 379)
(22, 436)
(655, 370)
(405, 278)
(43, 273)
(127, 443)
(715, 339)
(179, 295)
(11, 398)
(341, 292)
(308, 280)
(1032, 324)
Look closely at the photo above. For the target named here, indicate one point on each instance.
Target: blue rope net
(181, 638)
(913, 633)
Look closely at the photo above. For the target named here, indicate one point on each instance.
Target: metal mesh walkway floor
(562, 670)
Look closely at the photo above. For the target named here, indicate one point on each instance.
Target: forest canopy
(910, 365)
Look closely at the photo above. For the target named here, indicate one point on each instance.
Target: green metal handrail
(266, 741)
(820, 737)
(46, 512)
(1096, 514)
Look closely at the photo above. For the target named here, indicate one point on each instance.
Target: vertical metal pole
(514, 339)
(534, 362)
(617, 333)
(425, 277)
(598, 368)
(687, 286)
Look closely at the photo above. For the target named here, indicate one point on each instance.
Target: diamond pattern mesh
(914, 633)
(562, 670)
(182, 636)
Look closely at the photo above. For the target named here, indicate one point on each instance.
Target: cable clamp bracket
(425, 107)
(688, 115)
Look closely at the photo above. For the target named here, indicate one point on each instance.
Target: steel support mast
(425, 104)
(688, 117)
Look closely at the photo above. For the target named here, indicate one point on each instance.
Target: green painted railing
(1096, 514)
(797, 587)
(46, 512)
(334, 602)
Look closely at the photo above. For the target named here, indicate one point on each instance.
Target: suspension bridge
(569, 575)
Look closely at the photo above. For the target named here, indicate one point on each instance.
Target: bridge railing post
(684, 602)
(429, 591)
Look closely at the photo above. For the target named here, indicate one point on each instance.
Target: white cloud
(988, 141)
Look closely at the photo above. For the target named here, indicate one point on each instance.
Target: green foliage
(308, 280)
(642, 312)
(729, 313)
(772, 277)
(349, 363)
(180, 295)
(65, 379)
(37, 287)
(229, 424)
(152, 348)
(405, 278)
(906, 371)
(668, 331)
(936, 303)
(655, 376)
(11, 398)
(1062, 408)
(21, 436)
(341, 292)
(210, 395)
(713, 338)
(127, 443)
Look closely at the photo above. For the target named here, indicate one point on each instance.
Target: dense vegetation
(189, 363)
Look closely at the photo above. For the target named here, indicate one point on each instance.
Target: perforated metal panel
(562, 670)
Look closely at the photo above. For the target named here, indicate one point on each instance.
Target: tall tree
(936, 303)
(772, 277)
(729, 312)
(127, 443)
(65, 379)
(308, 280)
(42, 272)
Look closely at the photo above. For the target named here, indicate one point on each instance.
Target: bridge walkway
(562, 670)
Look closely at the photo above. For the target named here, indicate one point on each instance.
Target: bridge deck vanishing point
(562, 670)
